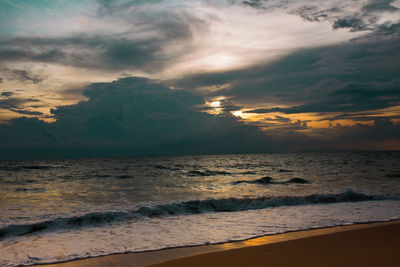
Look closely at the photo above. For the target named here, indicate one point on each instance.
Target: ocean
(59, 210)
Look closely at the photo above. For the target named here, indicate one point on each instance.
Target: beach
(374, 244)
(143, 211)
(199, 133)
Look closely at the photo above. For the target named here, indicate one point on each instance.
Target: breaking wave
(183, 208)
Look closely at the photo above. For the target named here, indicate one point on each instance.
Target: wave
(175, 167)
(17, 182)
(392, 175)
(183, 208)
(248, 172)
(264, 180)
(125, 177)
(25, 168)
(297, 180)
(32, 190)
(162, 167)
(206, 173)
(284, 170)
(249, 165)
(269, 180)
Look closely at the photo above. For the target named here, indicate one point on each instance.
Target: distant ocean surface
(58, 210)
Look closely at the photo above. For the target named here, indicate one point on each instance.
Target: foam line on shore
(141, 259)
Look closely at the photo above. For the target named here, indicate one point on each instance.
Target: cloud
(227, 106)
(128, 117)
(382, 129)
(380, 5)
(221, 106)
(7, 94)
(148, 42)
(355, 15)
(388, 29)
(253, 3)
(26, 112)
(161, 38)
(22, 75)
(351, 98)
(255, 56)
(84, 51)
(140, 117)
(279, 119)
(383, 134)
(14, 102)
(362, 75)
(355, 24)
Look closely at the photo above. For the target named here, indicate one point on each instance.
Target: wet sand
(376, 244)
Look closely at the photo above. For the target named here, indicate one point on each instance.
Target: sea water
(58, 210)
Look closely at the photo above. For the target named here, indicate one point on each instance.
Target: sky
(116, 78)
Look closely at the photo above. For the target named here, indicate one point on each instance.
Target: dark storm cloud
(278, 119)
(340, 14)
(388, 29)
(14, 102)
(12, 54)
(381, 130)
(281, 127)
(313, 13)
(357, 137)
(26, 112)
(73, 92)
(380, 5)
(360, 117)
(225, 107)
(131, 116)
(86, 52)
(6, 94)
(229, 106)
(253, 3)
(109, 52)
(17, 105)
(137, 116)
(11, 103)
(351, 98)
(362, 75)
(353, 79)
(23, 75)
(261, 4)
(355, 24)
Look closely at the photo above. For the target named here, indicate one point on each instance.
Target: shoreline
(168, 255)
